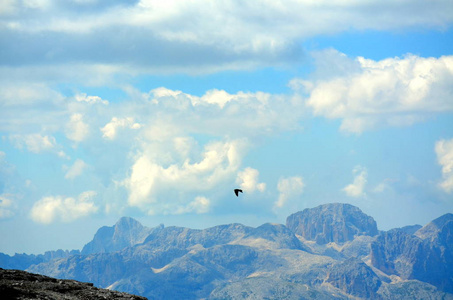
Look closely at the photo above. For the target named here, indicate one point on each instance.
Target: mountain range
(333, 251)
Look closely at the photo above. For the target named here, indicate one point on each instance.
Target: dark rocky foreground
(15, 284)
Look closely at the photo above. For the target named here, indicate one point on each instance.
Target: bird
(236, 191)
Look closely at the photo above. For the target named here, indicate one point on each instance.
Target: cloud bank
(367, 94)
(65, 209)
(192, 36)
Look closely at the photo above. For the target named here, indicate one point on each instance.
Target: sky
(157, 110)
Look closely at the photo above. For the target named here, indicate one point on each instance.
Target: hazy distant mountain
(125, 233)
(332, 251)
(23, 261)
(335, 222)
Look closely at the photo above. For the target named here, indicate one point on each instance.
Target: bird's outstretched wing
(236, 191)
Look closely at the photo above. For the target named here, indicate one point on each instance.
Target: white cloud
(35, 143)
(150, 177)
(289, 189)
(444, 152)
(110, 130)
(219, 113)
(59, 208)
(76, 169)
(82, 97)
(356, 189)
(367, 94)
(6, 206)
(248, 180)
(76, 129)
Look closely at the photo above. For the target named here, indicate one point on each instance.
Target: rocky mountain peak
(128, 223)
(432, 229)
(125, 233)
(335, 222)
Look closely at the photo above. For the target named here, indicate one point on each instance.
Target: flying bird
(236, 191)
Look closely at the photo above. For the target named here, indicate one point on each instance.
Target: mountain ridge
(340, 254)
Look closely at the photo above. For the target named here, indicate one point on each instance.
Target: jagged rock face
(335, 222)
(125, 233)
(427, 255)
(15, 284)
(395, 251)
(354, 277)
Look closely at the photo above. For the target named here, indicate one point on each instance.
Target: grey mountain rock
(15, 284)
(345, 259)
(432, 230)
(334, 222)
(411, 290)
(354, 277)
(410, 229)
(426, 256)
(276, 235)
(270, 288)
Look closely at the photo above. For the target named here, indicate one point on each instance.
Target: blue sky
(158, 110)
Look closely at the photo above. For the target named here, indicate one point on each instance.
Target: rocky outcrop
(125, 233)
(15, 284)
(432, 230)
(426, 256)
(394, 252)
(334, 222)
(354, 277)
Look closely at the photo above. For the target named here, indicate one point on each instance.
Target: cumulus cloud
(149, 177)
(444, 152)
(357, 187)
(35, 143)
(366, 94)
(219, 113)
(248, 180)
(64, 209)
(110, 130)
(76, 169)
(289, 189)
(76, 129)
